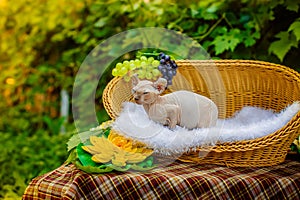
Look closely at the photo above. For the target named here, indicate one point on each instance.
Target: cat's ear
(160, 85)
(135, 80)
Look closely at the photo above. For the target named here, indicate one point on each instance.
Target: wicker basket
(231, 84)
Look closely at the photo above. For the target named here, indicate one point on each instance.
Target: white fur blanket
(248, 123)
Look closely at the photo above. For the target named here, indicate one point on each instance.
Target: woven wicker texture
(231, 84)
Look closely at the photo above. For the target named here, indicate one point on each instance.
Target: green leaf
(92, 169)
(202, 29)
(121, 169)
(283, 45)
(249, 39)
(73, 142)
(256, 35)
(82, 38)
(227, 41)
(292, 5)
(194, 13)
(220, 30)
(58, 37)
(141, 168)
(84, 157)
(106, 132)
(78, 138)
(249, 42)
(72, 156)
(101, 22)
(210, 16)
(295, 28)
(220, 44)
(244, 18)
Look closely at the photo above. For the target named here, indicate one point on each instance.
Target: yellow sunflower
(117, 149)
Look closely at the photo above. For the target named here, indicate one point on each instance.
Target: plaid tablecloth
(176, 181)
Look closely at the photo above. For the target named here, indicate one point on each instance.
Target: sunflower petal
(135, 157)
(119, 160)
(102, 158)
(91, 149)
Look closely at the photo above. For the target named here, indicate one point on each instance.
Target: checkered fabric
(176, 181)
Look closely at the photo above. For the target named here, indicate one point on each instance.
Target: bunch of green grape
(145, 68)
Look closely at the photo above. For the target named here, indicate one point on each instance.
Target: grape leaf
(227, 41)
(283, 45)
(249, 38)
(295, 27)
(256, 35)
(249, 41)
(220, 44)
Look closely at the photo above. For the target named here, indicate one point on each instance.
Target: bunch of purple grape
(167, 67)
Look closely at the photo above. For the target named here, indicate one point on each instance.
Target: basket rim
(238, 62)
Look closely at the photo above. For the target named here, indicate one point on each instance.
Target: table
(176, 181)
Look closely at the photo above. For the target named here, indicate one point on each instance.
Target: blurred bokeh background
(44, 42)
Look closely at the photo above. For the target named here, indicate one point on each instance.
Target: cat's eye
(145, 92)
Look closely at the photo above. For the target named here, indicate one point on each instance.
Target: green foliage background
(43, 43)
